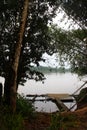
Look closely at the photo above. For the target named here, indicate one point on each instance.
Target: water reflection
(51, 107)
(45, 106)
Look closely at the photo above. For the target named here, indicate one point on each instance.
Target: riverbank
(26, 118)
(59, 121)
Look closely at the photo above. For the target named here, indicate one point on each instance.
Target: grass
(60, 122)
(9, 121)
(25, 108)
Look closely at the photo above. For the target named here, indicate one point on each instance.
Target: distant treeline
(50, 69)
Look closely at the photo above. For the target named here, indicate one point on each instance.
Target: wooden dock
(58, 99)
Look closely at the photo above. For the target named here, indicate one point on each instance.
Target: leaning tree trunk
(11, 78)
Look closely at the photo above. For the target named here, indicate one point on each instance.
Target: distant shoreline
(50, 69)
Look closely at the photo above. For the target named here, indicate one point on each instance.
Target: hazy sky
(63, 21)
(51, 61)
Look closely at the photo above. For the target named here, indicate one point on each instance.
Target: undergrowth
(25, 108)
(60, 122)
(9, 121)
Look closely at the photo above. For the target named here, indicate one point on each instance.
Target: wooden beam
(61, 105)
(50, 99)
(32, 95)
(59, 95)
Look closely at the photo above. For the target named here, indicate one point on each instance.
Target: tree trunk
(11, 78)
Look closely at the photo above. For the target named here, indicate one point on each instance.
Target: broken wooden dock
(58, 99)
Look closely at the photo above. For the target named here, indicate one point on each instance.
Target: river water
(54, 83)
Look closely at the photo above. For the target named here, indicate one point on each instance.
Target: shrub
(10, 121)
(25, 108)
(60, 122)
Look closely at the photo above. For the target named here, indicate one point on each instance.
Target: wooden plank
(60, 96)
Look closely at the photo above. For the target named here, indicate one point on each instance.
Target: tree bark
(10, 86)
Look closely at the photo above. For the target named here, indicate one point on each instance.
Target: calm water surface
(54, 83)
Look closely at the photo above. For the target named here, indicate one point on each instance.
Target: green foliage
(36, 40)
(71, 46)
(71, 7)
(9, 121)
(59, 122)
(25, 108)
(46, 70)
(14, 122)
(56, 121)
